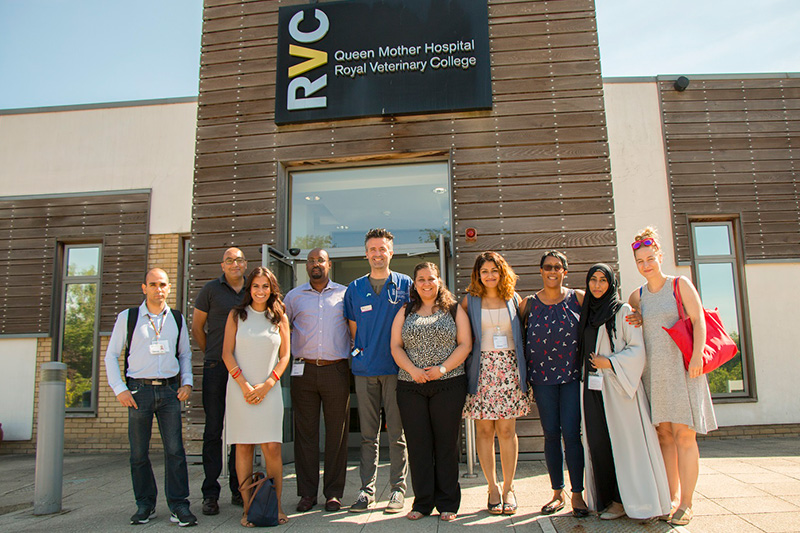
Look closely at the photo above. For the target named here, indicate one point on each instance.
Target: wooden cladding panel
(732, 149)
(543, 144)
(32, 229)
(530, 174)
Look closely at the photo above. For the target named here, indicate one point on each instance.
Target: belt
(322, 362)
(156, 382)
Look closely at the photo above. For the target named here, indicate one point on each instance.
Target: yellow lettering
(316, 58)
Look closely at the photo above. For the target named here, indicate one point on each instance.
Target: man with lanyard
(211, 309)
(320, 376)
(156, 383)
(371, 303)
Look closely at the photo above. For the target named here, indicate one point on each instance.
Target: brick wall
(108, 429)
(163, 252)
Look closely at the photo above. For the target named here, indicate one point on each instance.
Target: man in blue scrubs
(370, 305)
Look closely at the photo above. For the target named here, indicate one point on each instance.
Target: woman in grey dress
(680, 401)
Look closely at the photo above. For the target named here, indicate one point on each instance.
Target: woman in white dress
(256, 352)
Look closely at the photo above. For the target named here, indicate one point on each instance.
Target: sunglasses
(550, 268)
(644, 242)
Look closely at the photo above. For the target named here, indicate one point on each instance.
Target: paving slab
(734, 475)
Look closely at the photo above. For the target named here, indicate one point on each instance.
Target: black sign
(381, 57)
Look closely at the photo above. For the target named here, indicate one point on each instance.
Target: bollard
(469, 435)
(50, 439)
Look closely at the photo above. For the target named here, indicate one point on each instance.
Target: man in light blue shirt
(320, 377)
(371, 303)
(158, 377)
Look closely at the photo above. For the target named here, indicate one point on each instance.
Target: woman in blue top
(496, 385)
(551, 350)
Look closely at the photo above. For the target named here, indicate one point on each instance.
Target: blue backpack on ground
(262, 509)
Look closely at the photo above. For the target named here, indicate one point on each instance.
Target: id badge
(500, 342)
(159, 347)
(595, 381)
(298, 366)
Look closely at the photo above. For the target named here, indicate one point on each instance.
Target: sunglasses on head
(549, 268)
(644, 242)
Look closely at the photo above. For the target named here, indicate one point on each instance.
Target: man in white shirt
(156, 381)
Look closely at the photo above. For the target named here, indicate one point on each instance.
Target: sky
(66, 52)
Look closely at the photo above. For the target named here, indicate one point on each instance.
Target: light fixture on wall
(312, 198)
(439, 190)
(681, 84)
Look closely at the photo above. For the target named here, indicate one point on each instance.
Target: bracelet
(237, 373)
(233, 370)
(276, 376)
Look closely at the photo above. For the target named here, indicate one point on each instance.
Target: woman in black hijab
(625, 472)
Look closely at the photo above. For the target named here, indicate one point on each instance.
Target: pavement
(745, 485)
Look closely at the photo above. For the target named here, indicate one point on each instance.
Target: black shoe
(210, 506)
(306, 504)
(183, 517)
(236, 499)
(143, 515)
(333, 505)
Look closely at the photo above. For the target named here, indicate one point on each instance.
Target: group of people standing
(606, 378)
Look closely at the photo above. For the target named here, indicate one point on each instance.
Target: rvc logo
(301, 88)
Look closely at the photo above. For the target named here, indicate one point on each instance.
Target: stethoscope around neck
(392, 291)
(392, 294)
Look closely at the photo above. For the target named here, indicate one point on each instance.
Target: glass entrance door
(334, 209)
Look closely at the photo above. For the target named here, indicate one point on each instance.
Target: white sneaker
(396, 502)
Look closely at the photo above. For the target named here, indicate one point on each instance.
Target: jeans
(560, 414)
(431, 414)
(161, 401)
(371, 392)
(215, 382)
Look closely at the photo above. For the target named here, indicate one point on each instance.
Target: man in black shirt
(215, 301)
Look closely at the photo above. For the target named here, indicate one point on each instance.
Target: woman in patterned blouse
(431, 338)
(551, 350)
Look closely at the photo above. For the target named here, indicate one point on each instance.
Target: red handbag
(719, 348)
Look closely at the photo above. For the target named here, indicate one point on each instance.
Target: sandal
(554, 505)
(447, 516)
(244, 521)
(494, 508)
(414, 515)
(510, 508)
(580, 513)
(282, 519)
(681, 517)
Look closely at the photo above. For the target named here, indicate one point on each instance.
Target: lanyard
(157, 329)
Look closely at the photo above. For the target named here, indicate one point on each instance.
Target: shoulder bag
(719, 347)
(262, 507)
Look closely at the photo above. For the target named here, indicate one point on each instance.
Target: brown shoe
(333, 505)
(306, 504)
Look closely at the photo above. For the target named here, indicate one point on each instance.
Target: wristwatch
(443, 369)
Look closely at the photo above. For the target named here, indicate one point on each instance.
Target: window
(717, 269)
(78, 338)
(335, 208)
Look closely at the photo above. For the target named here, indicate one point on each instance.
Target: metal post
(50, 440)
(469, 435)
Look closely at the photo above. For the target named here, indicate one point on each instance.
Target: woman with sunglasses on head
(497, 388)
(680, 401)
(551, 351)
(430, 340)
(624, 468)
(256, 352)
